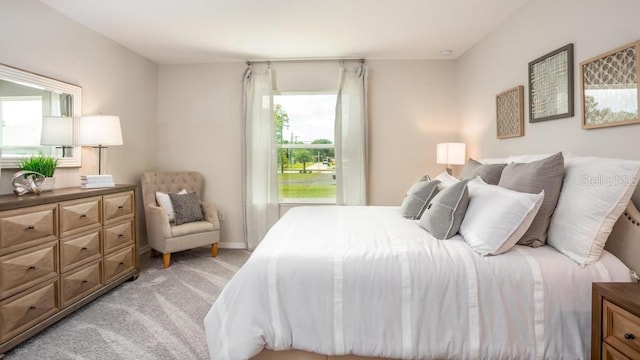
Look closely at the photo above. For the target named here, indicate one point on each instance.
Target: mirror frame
(14, 74)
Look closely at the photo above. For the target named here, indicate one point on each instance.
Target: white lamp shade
(57, 131)
(101, 130)
(451, 153)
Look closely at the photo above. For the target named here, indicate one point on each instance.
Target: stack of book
(96, 181)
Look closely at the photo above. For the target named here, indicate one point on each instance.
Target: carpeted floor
(159, 316)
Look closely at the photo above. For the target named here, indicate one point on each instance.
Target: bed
(366, 282)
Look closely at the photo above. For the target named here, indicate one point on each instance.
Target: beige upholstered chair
(165, 236)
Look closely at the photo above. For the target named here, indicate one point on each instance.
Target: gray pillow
(546, 174)
(186, 208)
(489, 173)
(418, 197)
(445, 212)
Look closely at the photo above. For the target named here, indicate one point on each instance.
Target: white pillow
(446, 180)
(493, 161)
(165, 202)
(497, 217)
(527, 158)
(595, 192)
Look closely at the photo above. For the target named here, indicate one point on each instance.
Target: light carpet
(158, 316)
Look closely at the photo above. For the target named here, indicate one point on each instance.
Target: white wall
(411, 109)
(500, 62)
(200, 128)
(114, 80)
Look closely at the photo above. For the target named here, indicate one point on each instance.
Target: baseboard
(223, 245)
(144, 249)
(232, 245)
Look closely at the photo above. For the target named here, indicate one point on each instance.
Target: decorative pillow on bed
(490, 173)
(446, 180)
(418, 197)
(533, 177)
(187, 208)
(165, 202)
(445, 211)
(496, 217)
(595, 192)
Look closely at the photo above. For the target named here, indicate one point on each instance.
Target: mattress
(365, 281)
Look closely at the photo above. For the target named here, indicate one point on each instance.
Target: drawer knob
(629, 336)
(120, 207)
(84, 282)
(83, 216)
(83, 249)
(32, 307)
(32, 267)
(120, 235)
(121, 263)
(31, 227)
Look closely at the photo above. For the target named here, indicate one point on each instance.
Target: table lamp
(450, 154)
(100, 131)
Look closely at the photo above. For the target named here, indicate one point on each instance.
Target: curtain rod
(269, 61)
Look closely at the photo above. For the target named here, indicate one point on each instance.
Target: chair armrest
(158, 227)
(210, 213)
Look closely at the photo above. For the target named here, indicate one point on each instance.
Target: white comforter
(365, 281)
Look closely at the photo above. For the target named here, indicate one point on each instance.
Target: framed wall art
(510, 113)
(610, 88)
(551, 85)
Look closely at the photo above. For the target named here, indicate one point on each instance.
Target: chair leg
(214, 250)
(166, 260)
(153, 253)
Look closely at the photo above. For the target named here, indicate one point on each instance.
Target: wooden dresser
(615, 330)
(59, 251)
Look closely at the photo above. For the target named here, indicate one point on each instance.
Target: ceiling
(202, 31)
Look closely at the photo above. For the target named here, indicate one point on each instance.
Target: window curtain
(260, 162)
(351, 136)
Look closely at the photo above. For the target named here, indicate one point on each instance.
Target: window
(21, 119)
(305, 139)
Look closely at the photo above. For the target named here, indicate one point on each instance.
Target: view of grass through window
(306, 155)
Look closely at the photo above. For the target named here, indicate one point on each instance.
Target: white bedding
(365, 281)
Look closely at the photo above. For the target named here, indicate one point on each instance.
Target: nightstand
(615, 324)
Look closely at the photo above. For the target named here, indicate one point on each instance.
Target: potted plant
(45, 165)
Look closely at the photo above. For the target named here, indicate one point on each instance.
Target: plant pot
(48, 184)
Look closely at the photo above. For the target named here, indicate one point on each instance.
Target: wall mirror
(27, 102)
(610, 95)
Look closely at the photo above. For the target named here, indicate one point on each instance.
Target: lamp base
(449, 170)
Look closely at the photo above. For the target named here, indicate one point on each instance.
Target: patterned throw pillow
(489, 173)
(418, 197)
(165, 202)
(186, 207)
(533, 177)
(445, 212)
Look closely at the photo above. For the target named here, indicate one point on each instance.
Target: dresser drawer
(621, 327)
(118, 206)
(79, 249)
(20, 312)
(26, 227)
(80, 215)
(117, 264)
(117, 235)
(610, 353)
(25, 268)
(81, 282)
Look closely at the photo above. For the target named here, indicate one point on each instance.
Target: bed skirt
(304, 355)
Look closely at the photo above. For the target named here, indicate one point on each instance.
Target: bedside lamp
(57, 131)
(450, 154)
(100, 131)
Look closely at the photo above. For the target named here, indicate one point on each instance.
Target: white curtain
(260, 162)
(351, 136)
